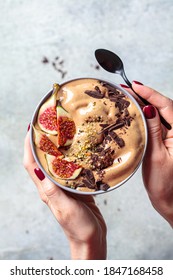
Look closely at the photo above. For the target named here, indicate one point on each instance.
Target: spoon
(112, 63)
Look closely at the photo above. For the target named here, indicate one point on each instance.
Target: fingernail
(138, 83)
(124, 86)
(149, 111)
(39, 174)
(29, 126)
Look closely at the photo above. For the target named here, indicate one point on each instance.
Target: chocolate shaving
(128, 121)
(121, 104)
(89, 176)
(89, 181)
(81, 185)
(88, 184)
(107, 139)
(120, 142)
(102, 186)
(95, 94)
(104, 125)
(97, 89)
(126, 112)
(109, 87)
(111, 127)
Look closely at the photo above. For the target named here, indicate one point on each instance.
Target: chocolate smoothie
(89, 135)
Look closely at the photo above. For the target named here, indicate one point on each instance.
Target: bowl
(115, 149)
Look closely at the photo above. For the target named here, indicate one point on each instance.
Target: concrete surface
(141, 33)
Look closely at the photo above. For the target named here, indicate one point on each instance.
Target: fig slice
(43, 142)
(63, 169)
(47, 117)
(66, 127)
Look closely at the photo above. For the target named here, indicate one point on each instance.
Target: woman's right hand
(158, 160)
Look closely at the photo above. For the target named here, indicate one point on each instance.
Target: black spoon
(112, 63)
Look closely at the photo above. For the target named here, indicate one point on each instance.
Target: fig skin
(65, 126)
(47, 116)
(43, 142)
(61, 166)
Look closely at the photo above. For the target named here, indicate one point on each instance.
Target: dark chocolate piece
(120, 142)
(95, 94)
(111, 127)
(89, 176)
(102, 186)
(88, 184)
(97, 89)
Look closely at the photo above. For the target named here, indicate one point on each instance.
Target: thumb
(154, 129)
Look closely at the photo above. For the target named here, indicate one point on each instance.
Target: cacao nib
(45, 60)
(99, 149)
(119, 159)
(57, 65)
(102, 160)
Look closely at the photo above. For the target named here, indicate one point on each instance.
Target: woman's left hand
(78, 215)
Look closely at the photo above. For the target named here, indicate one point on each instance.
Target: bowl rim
(34, 118)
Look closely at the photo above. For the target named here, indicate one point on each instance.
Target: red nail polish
(149, 112)
(124, 86)
(29, 126)
(39, 174)
(138, 83)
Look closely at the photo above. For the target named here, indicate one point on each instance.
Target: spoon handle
(163, 121)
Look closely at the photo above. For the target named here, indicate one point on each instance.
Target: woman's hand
(78, 215)
(158, 161)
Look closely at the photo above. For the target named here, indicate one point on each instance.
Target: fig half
(65, 126)
(43, 142)
(63, 169)
(47, 117)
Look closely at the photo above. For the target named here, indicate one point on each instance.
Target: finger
(32, 167)
(57, 199)
(161, 102)
(129, 90)
(30, 164)
(155, 144)
(46, 188)
(28, 156)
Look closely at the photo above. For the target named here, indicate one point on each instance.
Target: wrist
(88, 250)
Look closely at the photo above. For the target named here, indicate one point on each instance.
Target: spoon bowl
(113, 64)
(109, 61)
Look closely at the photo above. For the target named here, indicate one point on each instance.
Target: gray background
(141, 33)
